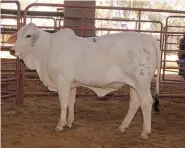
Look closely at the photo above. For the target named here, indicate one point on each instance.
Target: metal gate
(161, 33)
(10, 75)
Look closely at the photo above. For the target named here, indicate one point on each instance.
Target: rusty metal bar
(103, 29)
(4, 91)
(32, 13)
(177, 26)
(53, 93)
(172, 95)
(165, 48)
(32, 79)
(83, 23)
(8, 79)
(170, 82)
(165, 68)
(98, 7)
(113, 19)
(8, 17)
(174, 81)
(18, 81)
(168, 67)
(139, 27)
(10, 62)
(22, 71)
(181, 51)
(8, 95)
(104, 7)
(39, 93)
(16, 77)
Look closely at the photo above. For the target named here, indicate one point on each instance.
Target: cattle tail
(156, 99)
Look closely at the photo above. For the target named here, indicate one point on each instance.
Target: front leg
(71, 103)
(63, 87)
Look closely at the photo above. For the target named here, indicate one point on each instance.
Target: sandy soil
(96, 123)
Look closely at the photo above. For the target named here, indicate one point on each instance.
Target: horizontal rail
(7, 92)
(112, 19)
(8, 17)
(172, 95)
(103, 7)
(173, 50)
(170, 81)
(39, 93)
(12, 30)
(8, 95)
(6, 48)
(10, 62)
(8, 70)
(54, 93)
(172, 67)
(176, 26)
(33, 13)
(8, 79)
(7, 60)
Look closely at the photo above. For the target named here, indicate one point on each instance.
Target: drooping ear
(12, 39)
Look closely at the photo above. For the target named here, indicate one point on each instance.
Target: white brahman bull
(103, 64)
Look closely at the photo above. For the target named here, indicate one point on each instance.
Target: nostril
(12, 52)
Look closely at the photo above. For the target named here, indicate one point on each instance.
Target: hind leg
(133, 108)
(71, 103)
(146, 101)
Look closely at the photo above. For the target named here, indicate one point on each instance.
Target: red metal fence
(162, 33)
(9, 75)
(171, 46)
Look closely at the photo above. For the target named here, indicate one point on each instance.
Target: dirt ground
(96, 123)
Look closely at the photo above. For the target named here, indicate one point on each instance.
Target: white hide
(102, 64)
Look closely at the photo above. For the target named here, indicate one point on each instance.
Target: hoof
(123, 129)
(144, 136)
(59, 129)
(69, 125)
(156, 109)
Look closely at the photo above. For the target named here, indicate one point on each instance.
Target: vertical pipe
(165, 48)
(55, 23)
(22, 82)
(22, 71)
(161, 39)
(17, 100)
(139, 27)
(17, 73)
(83, 22)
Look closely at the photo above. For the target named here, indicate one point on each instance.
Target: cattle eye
(28, 36)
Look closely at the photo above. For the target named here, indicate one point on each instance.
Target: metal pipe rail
(83, 18)
(166, 43)
(33, 13)
(162, 33)
(15, 77)
(84, 28)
